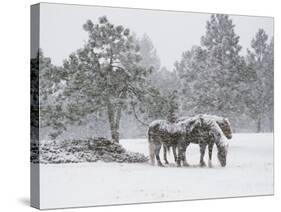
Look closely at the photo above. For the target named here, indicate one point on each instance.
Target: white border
(14, 109)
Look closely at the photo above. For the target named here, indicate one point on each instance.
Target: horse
(198, 138)
(162, 132)
(223, 122)
(207, 134)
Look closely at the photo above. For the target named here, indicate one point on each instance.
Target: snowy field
(249, 171)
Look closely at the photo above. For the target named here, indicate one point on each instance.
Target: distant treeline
(114, 85)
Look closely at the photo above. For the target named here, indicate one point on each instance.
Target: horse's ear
(198, 121)
(192, 124)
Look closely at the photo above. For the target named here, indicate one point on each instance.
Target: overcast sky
(172, 33)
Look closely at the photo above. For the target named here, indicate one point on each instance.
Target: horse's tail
(151, 147)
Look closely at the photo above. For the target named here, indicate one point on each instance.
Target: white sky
(172, 33)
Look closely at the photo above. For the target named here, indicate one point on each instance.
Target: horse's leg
(165, 154)
(202, 153)
(184, 155)
(151, 146)
(180, 155)
(210, 149)
(157, 151)
(174, 147)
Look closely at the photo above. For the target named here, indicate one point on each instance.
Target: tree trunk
(114, 115)
(115, 134)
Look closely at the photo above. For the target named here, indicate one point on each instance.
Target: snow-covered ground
(249, 171)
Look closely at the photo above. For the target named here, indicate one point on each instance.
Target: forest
(114, 85)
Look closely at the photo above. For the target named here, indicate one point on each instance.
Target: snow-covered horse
(213, 130)
(223, 122)
(204, 130)
(162, 132)
(202, 137)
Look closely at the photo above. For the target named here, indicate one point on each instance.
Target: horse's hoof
(203, 164)
(166, 162)
(186, 164)
(160, 165)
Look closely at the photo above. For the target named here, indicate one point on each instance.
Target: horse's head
(225, 127)
(222, 154)
(221, 142)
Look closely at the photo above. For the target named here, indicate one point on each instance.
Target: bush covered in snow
(77, 151)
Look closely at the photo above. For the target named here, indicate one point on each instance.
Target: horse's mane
(169, 127)
(205, 116)
(183, 126)
(215, 130)
(222, 121)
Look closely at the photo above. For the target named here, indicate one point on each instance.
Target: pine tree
(161, 82)
(260, 59)
(105, 75)
(269, 65)
(212, 76)
(224, 65)
(150, 59)
(193, 76)
(50, 76)
(173, 107)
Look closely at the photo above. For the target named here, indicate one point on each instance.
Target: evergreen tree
(260, 59)
(105, 75)
(50, 88)
(212, 77)
(152, 100)
(173, 107)
(225, 66)
(193, 77)
(269, 65)
(155, 101)
(34, 100)
(150, 59)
